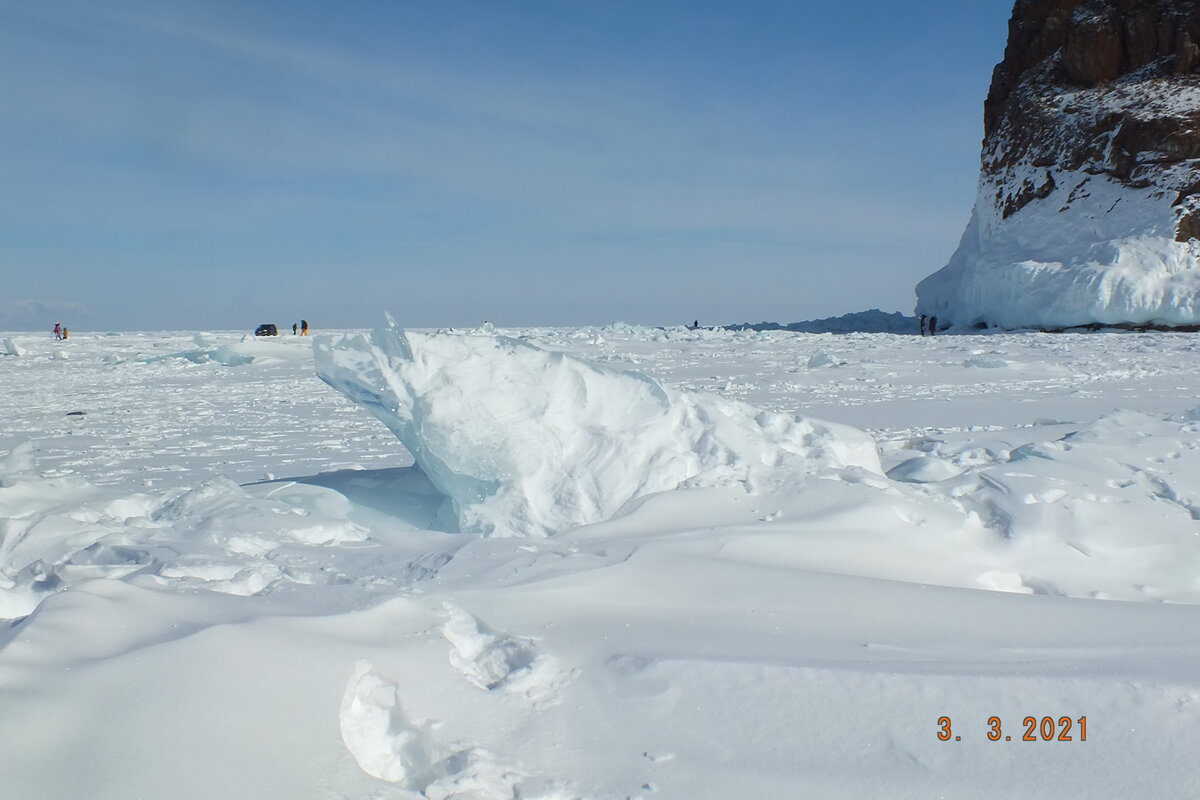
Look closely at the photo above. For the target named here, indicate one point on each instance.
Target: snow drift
(526, 442)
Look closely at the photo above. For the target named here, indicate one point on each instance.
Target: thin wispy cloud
(217, 137)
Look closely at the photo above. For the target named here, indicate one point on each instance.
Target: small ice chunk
(820, 359)
(376, 731)
(19, 464)
(983, 362)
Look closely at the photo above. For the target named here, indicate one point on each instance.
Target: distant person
(933, 326)
(58, 331)
(923, 318)
(304, 327)
(65, 333)
(293, 329)
(695, 324)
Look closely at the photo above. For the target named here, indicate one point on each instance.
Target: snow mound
(250, 350)
(983, 362)
(822, 359)
(19, 464)
(499, 662)
(1109, 511)
(378, 733)
(225, 355)
(57, 532)
(924, 469)
(389, 746)
(526, 442)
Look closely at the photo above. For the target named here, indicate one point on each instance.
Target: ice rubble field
(628, 569)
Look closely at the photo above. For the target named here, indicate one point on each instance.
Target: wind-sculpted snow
(527, 442)
(1108, 511)
(61, 531)
(225, 582)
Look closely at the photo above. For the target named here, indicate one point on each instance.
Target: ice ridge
(527, 442)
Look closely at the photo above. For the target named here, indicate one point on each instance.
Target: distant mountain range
(872, 321)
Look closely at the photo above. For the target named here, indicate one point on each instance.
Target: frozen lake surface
(220, 578)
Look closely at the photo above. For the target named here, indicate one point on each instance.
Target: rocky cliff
(1089, 195)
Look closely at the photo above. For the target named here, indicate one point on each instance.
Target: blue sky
(219, 164)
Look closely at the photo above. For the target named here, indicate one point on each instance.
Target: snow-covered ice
(221, 578)
(527, 442)
(1090, 251)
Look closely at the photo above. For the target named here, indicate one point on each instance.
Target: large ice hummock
(527, 442)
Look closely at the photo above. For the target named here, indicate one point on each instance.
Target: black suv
(266, 329)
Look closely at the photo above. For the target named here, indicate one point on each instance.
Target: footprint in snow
(499, 662)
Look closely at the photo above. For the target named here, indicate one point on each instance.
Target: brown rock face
(1094, 51)
(1093, 41)
(1103, 87)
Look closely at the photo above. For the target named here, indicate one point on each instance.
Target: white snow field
(640, 563)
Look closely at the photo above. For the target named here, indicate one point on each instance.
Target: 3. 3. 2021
(1033, 729)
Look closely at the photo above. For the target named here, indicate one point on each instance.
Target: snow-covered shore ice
(1076, 256)
(620, 562)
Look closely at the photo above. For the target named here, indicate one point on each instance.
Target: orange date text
(1032, 729)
